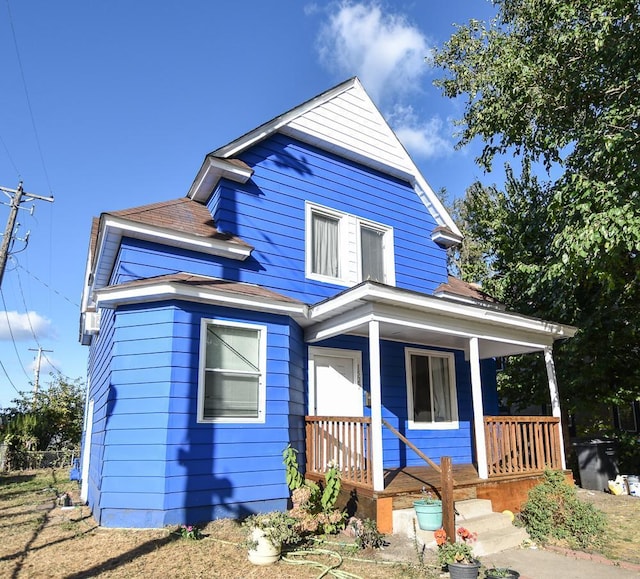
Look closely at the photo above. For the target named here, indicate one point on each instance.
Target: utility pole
(16, 197)
(36, 383)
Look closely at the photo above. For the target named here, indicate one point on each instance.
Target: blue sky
(124, 99)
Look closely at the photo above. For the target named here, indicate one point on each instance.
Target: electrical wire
(47, 286)
(26, 310)
(8, 378)
(15, 347)
(26, 92)
(6, 149)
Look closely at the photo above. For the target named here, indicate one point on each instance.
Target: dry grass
(40, 539)
(623, 529)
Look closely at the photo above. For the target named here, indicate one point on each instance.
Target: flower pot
(429, 514)
(501, 574)
(264, 552)
(463, 570)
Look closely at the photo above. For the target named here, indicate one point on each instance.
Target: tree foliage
(557, 83)
(49, 420)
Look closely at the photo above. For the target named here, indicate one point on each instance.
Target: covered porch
(505, 448)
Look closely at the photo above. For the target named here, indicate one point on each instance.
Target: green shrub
(554, 511)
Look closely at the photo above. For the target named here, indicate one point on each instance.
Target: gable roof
(343, 120)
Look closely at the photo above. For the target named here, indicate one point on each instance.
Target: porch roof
(413, 317)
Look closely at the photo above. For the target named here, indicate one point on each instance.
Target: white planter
(264, 553)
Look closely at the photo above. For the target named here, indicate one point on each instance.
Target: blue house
(298, 294)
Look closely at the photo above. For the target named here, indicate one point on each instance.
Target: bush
(554, 511)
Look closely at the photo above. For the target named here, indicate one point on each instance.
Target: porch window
(232, 372)
(344, 249)
(431, 391)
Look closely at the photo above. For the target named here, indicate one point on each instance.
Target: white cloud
(23, 326)
(383, 50)
(422, 138)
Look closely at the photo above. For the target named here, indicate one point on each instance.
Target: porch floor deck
(404, 485)
(412, 479)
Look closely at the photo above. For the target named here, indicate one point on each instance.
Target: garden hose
(326, 569)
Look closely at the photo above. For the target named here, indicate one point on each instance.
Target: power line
(8, 378)
(26, 92)
(26, 311)
(15, 347)
(46, 285)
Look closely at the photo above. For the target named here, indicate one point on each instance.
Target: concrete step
(484, 523)
(472, 508)
(497, 540)
(495, 530)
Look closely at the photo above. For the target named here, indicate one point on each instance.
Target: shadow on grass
(8, 479)
(52, 543)
(20, 556)
(124, 558)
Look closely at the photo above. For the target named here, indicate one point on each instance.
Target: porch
(518, 450)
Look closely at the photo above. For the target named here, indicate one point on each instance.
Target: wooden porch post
(478, 409)
(376, 405)
(555, 398)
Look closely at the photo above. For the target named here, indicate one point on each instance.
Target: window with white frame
(231, 385)
(344, 249)
(431, 389)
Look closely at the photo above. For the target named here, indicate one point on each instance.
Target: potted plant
(428, 512)
(266, 533)
(501, 573)
(458, 556)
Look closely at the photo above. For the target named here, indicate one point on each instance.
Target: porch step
(495, 530)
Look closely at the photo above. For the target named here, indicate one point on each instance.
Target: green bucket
(429, 514)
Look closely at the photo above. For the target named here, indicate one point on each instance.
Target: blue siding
(456, 443)
(157, 464)
(269, 213)
(152, 463)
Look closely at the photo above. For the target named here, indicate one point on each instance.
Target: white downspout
(555, 398)
(478, 409)
(376, 406)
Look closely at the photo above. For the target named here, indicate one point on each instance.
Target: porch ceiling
(431, 321)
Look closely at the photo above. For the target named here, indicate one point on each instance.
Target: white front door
(334, 382)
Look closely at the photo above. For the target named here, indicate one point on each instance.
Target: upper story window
(345, 250)
(431, 389)
(231, 385)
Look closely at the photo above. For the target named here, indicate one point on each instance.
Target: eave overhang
(212, 170)
(147, 291)
(113, 229)
(419, 318)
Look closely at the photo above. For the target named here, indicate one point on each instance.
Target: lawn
(39, 538)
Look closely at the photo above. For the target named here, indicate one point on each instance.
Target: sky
(111, 105)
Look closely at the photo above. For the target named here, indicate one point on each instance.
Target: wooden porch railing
(343, 440)
(522, 444)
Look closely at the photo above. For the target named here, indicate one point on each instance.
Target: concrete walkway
(562, 564)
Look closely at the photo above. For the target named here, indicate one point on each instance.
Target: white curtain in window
(372, 254)
(324, 239)
(441, 389)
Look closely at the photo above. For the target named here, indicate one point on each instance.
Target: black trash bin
(597, 462)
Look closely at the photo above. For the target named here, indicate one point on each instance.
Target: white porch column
(555, 397)
(478, 409)
(376, 406)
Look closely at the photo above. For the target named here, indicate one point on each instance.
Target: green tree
(556, 82)
(50, 420)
